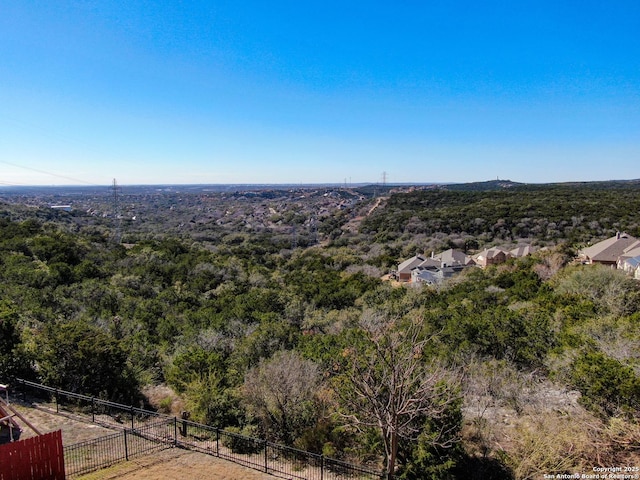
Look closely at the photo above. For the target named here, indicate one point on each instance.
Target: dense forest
(522, 369)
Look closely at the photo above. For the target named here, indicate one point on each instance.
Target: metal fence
(85, 457)
(144, 431)
(103, 412)
(267, 456)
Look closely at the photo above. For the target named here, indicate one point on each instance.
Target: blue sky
(315, 92)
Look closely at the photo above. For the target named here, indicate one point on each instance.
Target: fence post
(56, 397)
(93, 409)
(175, 431)
(217, 442)
(132, 415)
(266, 460)
(185, 416)
(126, 447)
(321, 467)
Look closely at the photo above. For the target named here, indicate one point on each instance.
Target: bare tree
(391, 385)
(280, 393)
(550, 264)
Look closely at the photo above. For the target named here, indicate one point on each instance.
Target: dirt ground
(177, 464)
(43, 417)
(170, 464)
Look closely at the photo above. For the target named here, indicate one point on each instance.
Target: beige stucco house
(491, 256)
(609, 251)
(410, 270)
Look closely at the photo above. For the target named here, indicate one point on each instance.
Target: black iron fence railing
(85, 457)
(145, 431)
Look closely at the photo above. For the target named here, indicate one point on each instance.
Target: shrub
(549, 443)
(607, 386)
(242, 440)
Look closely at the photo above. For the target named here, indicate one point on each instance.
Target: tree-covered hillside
(544, 213)
(522, 369)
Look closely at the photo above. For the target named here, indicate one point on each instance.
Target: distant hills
(482, 186)
(364, 188)
(492, 185)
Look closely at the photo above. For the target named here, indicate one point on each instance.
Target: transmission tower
(313, 230)
(384, 179)
(117, 218)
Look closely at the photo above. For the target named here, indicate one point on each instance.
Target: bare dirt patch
(43, 417)
(177, 464)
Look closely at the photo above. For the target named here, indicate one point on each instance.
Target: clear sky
(312, 92)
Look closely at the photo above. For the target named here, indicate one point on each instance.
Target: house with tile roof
(453, 257)
(522, 251)
(609, 251)
(404, 269)
(435, 268)
(491, 256)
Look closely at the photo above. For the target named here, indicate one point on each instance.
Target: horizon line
(305, 184)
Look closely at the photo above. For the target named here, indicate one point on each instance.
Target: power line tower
(117, 218)
(384, 179)
(313, 230)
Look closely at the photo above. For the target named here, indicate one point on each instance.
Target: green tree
(211, 401)
(193, 364)
(607, 386)
(14, 360)
(429, 457)
(83, 358)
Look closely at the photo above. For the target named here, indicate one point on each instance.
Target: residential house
(433, 269)
(623, 262)
(522, 251)
(434, 275)
(426, 275)
(404, 269)
(491, 256)
(629, 265)
(453, 257)
(609, 251)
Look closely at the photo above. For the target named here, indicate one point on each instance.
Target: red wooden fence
(36, 458)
